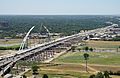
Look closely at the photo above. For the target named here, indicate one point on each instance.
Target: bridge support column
(42, 56)
(52, 53)
(45, 55)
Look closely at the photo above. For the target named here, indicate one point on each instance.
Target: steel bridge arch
(25, 38)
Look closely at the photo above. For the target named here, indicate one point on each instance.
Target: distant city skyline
(59, 7)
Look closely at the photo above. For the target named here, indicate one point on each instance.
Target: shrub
(114, 73)
(86, 48)
(99, 75)
(45, 76)
(91, 49)
(106, 74)
(111, 73)
(92, 76)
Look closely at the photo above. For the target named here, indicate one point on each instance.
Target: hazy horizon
(59, 7)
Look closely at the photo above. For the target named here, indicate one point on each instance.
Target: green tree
(86, 48)
(92, 76)
(79, 49)
(45, 76)
(91, 49)
(106, 74)
(99, 75)
(86, 57)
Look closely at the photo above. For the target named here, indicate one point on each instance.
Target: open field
(72, 65)
(8, 42)
(16, 41)
(95, 58)
(61, 71)
(103, 44)
(70, 70)
(59, 74)
(4, 52)
(113, 68)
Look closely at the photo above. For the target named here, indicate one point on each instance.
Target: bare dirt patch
(106, 67)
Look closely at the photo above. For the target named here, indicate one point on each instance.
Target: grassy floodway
(103, 44)
(72, 65)
(95, 58)
(61, 71)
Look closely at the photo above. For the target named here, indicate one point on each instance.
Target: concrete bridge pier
(44, 55)
(67, 44)
(41, 57)
(52, 53)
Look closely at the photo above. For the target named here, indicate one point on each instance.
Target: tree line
(59, 24)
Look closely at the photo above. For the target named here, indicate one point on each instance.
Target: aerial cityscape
(60, 39)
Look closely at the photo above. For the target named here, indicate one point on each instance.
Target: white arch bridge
(43, 51)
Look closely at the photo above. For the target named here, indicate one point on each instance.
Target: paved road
(43, 46)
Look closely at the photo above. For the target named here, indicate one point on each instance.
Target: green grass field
(69, 64)
(18, 41)
(10, 41)
(59, 74)
(60, 71)
(95, 58)
(103, 44)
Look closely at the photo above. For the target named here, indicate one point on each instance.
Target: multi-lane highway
(11, 59)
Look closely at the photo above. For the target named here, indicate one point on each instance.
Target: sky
(59, 7)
